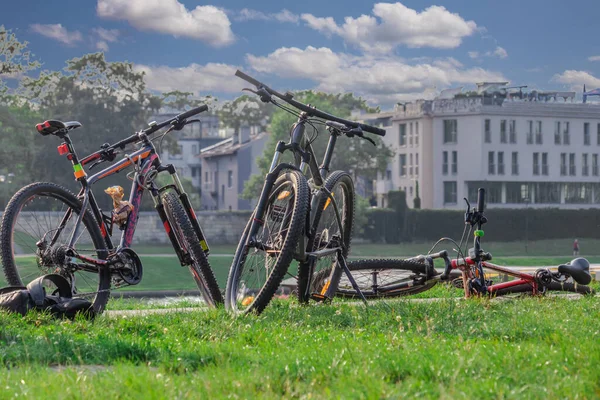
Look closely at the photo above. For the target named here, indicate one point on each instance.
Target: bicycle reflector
(63, 149)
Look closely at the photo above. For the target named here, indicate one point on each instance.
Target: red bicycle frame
(465, 264)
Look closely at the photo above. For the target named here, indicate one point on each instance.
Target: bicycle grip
(372, 129)
(193, 111)
(249, 79)
(480, 199)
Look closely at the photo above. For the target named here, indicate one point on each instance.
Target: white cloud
(594, 58)
(576, 79)
(57, 32)
(382, 79)
(102, 45)
(206, 23)
(247, 14)
(105, 36)
(394, 24)
(195, 78)
(498, 52)
(108, 35)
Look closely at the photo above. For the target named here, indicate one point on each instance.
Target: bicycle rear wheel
(380, 278)
(259, 267)
(190, 243)
(36, 227)
(327, 231)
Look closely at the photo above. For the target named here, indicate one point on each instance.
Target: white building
(536, 152)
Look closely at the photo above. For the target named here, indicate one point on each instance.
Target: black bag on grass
(60, 303)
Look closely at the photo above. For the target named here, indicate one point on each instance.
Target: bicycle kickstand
(342, 262)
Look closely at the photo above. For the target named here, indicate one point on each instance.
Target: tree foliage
(244, 110)
(15, 59)
(355, 155)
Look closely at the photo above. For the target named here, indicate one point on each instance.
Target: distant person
(576, 247)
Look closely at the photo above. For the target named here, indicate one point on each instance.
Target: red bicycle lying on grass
(402, 277)
(47, 229)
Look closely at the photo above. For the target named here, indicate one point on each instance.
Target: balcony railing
(585, 170)
(500, 169)
(544, 169)
(572, 169)
(529, 138)
(563, 170)
(538, 138)
(515, 169)
(492, 169)
(595, 170)
(536, 169)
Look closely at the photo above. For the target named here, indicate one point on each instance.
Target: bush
(383, 226)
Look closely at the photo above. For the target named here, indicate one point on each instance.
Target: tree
(359, 157)
(417, 199)
(244, 110)
(15, 59)
(108, 98)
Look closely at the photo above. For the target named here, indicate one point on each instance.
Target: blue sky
(386, 52)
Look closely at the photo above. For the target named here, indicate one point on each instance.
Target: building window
(206, 176)
(547, 193)
(417, 164)
(578, 193)
(194, 171)
(557, 132)
(402, 164)
(585, 171)
(488, 131)
(410, 134)
(454, 162)
(194, 149)
(595, 164)
(491, 165)
(529, 132)
(445, 163)
(538, 133)
(566, 136)
(500, 163)
(388, 175)
(517, 193)
(450, 192)
(598, 135)
(503, 131)
(402, 134)
(410, 165)
(544, 163)
(512, 130)
(536, 163)
(417, 133)
(493, 193)
(229, 179)
(515, 163)
(586, 133)
(450, 129)
(572, 164)
(563, 164)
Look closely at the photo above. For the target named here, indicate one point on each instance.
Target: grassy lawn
(542, 348)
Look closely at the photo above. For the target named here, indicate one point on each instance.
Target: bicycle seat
(54, 127)
(578, 269)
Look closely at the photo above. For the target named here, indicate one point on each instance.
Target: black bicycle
(47, 229)
(295, 218)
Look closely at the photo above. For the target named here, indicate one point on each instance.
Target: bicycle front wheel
(36, 227)
(261, 262)
(190, 244)
(380, 278)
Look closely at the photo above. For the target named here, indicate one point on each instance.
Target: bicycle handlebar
(311, 111)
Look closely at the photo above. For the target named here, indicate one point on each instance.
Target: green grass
(529, 348)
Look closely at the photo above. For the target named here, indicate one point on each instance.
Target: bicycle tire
(26, 196)
(289, 233)
(189, 241)
(411, 268)
(337, 180)
(553, 286)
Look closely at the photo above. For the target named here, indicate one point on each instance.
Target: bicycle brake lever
(265, 96)
(369, 139)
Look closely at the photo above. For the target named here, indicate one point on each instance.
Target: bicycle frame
(465, 264)
(145, 159)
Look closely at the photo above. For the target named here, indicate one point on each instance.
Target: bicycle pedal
(318, 297)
